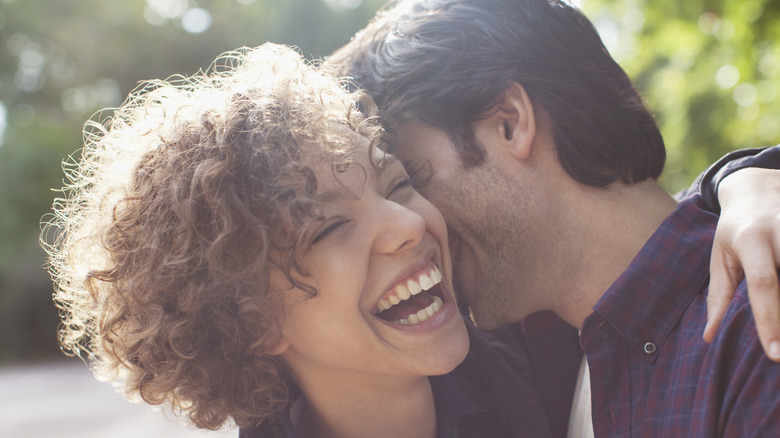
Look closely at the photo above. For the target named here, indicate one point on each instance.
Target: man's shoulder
(737, 379)
(737, 330)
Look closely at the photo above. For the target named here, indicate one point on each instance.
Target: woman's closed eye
(326, 229)
(400, 184)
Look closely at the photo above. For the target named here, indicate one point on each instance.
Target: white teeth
(423, 314)
(437, 303)
(414, 287)
(425, 282)
(384, 305)
(435, 275)
(402, 292)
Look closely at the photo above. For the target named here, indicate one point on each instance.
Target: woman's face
(381, 267)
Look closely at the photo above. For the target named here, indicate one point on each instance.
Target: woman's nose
(398, 228)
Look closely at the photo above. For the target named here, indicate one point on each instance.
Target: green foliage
(709, 69)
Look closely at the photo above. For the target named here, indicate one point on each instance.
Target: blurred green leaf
(709, 70)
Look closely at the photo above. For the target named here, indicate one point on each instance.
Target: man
(543, 159)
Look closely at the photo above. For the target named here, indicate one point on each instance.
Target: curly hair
(181, 205)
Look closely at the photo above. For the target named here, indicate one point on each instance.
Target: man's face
(485, 213)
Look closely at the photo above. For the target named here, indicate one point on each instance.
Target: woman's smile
(418, 302)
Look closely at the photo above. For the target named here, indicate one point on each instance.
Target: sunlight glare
(3, 122)
(342, 5)
(196, 20)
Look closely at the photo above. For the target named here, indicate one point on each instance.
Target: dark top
(489, 395)
(707, 183)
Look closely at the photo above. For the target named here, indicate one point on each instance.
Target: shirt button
(649, 348)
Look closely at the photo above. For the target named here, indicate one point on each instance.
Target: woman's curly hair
(180, 206)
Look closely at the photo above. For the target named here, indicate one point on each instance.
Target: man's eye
(420, 171)
(321, 234)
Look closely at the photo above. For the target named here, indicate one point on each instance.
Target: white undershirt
(580, 420)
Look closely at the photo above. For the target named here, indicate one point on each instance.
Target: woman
(239, 245)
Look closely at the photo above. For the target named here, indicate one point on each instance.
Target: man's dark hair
(446, 63)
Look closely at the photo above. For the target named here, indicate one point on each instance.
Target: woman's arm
(744, 187)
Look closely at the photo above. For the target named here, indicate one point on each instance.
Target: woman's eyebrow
(343, 192)
(335, 195)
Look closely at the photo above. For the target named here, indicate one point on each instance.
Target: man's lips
(414, 299)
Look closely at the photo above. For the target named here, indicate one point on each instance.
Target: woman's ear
(514, 120)
(277, 346)
(280, 290)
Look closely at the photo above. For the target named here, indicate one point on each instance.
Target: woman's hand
(747, 245)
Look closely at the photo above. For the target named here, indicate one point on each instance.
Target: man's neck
(608, 227)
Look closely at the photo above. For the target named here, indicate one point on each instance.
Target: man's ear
(514, 119)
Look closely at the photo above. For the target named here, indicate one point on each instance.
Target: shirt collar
(649, 298)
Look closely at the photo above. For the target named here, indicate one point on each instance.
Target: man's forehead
(413, 139)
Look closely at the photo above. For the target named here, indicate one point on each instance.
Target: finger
(725, 275)
(764, 294)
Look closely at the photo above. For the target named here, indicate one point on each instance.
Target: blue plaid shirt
(652, 375)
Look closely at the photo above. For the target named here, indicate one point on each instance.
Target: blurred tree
(710, 70)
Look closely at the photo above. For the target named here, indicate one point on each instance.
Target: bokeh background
(709, 69)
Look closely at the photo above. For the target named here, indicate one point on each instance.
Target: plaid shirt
(652, 375)
(554, 346)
